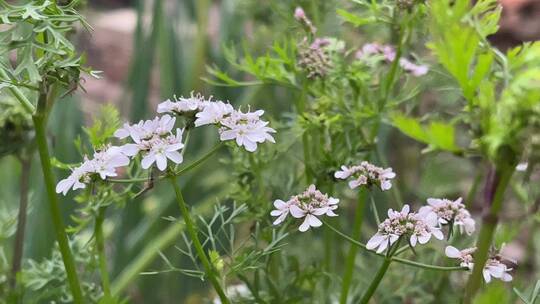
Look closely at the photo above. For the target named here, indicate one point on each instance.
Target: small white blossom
(154, 140)
(419, 228)
(389, 54)
(213, 113)
(308, 205)
(494, 265)
(366, 174)
(103, 164)
(522, 167)
(182, 105)
(247, 129)
(451, 213)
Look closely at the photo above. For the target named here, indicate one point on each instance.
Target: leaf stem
(394, 258)
(177, 173)
(40, 123)
(100, 246)
(27, 105)
(493, 204)
(376, 280)
(192, 231)
(353, 250)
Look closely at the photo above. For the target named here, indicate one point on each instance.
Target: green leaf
(354, 19)
(438, 135)
(495, 292)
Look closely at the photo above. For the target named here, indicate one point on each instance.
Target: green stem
(177, 173)
(357, 232)
(394, 258)
(376, 281)
(100, 246)
(61, 237)
(192, 231)
(490, 218)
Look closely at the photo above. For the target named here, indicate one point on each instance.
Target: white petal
(452, 252)
(297, 212)
(148, 160)
(175, 156)
(375, 241)
(161, 161)
(313, 221)
(305, 225)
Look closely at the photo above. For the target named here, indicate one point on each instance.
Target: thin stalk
(300, 108)
(493, 204)
(192, 231)
(177, 173)
(353, 250)
(40, 123)
(394, 258)
(26, 162)
(376, 281)
(100, 246)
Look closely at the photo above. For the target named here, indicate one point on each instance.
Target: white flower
(76, 180)
(465, 255)
(417, 227)
(281, 211)
(308, 205)
(103, 164)
(451, 212)
(182, 105)
(247, 129)
(213, 113)
(154, 140)
(494, 266)
(497, 269)
(161, 149)
(366, 174)
(236, 292)
(522, 167)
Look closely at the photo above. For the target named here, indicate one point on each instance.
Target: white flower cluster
(103, 164)
(494, 265)
(247, 129)
(389, 54)
(451, 213)
(417, 227)
(366, 174)
(154, 140)
(308, 205)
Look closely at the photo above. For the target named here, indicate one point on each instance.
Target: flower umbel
(418, 228)
(154, 140)
(451, 213)
(308, 205)
(103, 164)
(495, 266)
(366, 174)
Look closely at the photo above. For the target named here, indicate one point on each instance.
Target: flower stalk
(351, 257)
(494, 195)
(40, 123)
(100, 246)
(192, 231)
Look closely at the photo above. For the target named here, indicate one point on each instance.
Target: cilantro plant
(304, 205)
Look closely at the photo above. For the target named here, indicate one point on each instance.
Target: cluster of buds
(366, 174)
(495, 265)
(301, 17)
(388, 53)
(451, 213)
(308, 205)
(313, 58)
(418, 228)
